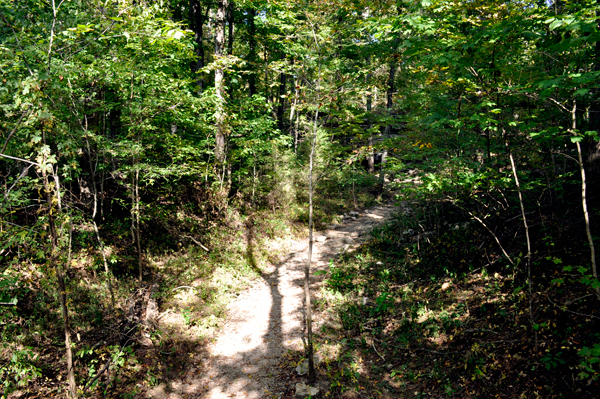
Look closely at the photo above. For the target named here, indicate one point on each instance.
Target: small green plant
(187, 316)
(152, 379)
(551, 361)
(350, 316)
(384, 302)
(589, 362)
(19, 370)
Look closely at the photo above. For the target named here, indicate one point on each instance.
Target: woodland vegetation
(141, 138)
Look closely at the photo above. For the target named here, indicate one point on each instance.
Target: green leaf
(555, 24)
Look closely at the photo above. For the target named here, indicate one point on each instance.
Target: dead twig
(198, 243)
(570, 311)
(376, 351)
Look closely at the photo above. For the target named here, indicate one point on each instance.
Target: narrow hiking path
(267, 320)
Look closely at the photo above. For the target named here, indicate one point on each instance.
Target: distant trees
(110, 110)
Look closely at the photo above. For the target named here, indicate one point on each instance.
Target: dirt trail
(266, 321)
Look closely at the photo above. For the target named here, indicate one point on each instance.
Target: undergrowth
(200, 252)
(430, 306)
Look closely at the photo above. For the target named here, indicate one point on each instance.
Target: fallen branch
(378, 354)
(7, 304)
(184, 286)
(570, 311)
(577, 299)
(487, 228)
(436, 352)
(105, 367)
(197, 243)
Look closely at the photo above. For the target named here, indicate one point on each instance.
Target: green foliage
(19, 369)
(589, 362)
(108, 106)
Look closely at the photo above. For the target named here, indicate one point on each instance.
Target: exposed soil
(266, 322)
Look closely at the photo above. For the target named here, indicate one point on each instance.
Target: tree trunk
(230, 27)
(197, 21)
(293, 112)
(219, 82)
(252, 52)
(54, 260)
(388, 127)
(281, 105)
(309, 347)
(594, 125)
(528, 257)
(309, 339)
(371, 156)
(136, 194)
(95, 212)
(296, 132)
(586, 215)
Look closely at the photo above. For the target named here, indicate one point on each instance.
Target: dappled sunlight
(264, 325)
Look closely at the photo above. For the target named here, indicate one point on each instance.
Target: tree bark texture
(230, 25)
(220, 82)
(54, 259)
(309, 348)
(197, 19)
(371, 156)
(281, 105)
(528, 257)
(252, 52)
(586, 215)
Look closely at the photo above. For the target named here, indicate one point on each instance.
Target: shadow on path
(263, 324)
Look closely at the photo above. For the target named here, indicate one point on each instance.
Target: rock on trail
(265, 321)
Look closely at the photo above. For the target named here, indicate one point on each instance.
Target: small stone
(303, 367)
(353, 213)
(321, 239)
(304, 391)
(445, 286)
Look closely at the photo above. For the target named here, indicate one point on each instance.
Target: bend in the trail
(266, 321)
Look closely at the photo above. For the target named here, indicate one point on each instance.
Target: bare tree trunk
(528, 264)
(586, 215)
(54, 259)
(281, 105)
(371, 156)
(136, 194)
(294, 112)
(219, 82)
(388, 127)
(252, 52)
(309, 339)
(197, 21)
(309, 348)
(296, 132)
(94, 213)
(294, 104)
(230, 11)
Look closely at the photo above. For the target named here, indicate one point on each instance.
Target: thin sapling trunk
(309, 338)
(586, 215)
(528, 257)
(55, 262)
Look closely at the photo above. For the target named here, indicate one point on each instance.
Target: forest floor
(262, 339)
